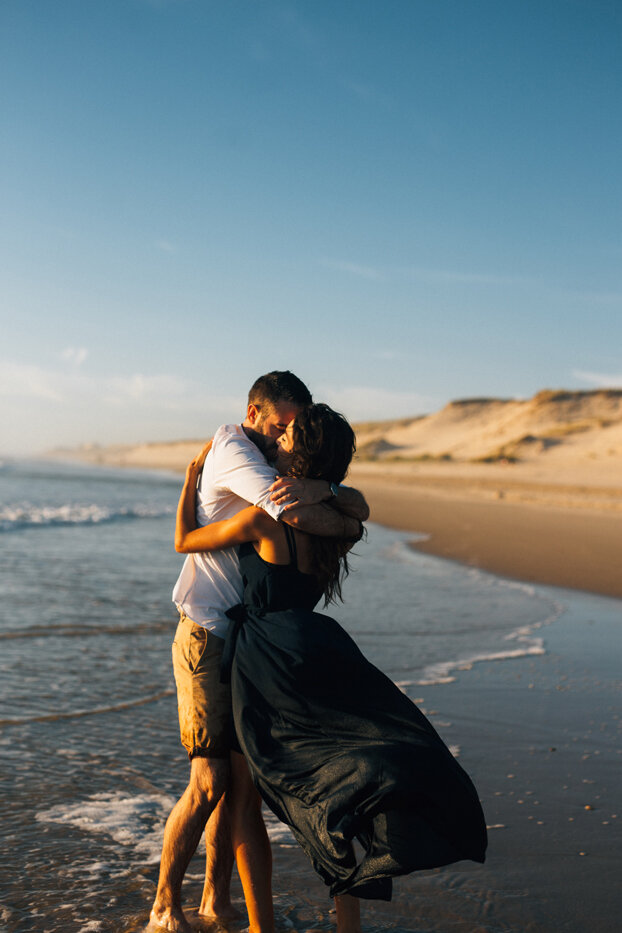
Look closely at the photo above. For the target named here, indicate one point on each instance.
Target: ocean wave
(95, 711)
(25, 515)
(85, 631)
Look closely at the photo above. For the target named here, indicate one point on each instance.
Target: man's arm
(323, 520)
(291, 493)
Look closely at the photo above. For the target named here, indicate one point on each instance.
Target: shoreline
(534, 542)
(525, 522)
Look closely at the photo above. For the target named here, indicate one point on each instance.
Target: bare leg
(208, 779)
(348, 914)
(251, 847)
(216, 900)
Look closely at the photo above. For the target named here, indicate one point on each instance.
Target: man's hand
(292, 492)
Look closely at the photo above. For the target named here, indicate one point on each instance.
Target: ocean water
(90, 760)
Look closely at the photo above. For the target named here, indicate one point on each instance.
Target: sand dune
(571, 426)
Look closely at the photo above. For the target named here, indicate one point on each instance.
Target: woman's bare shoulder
(262, 523)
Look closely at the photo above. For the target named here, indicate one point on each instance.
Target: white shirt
(235, 474)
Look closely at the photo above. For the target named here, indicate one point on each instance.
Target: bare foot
(169, 919)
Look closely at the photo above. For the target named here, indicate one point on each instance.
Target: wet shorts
(204, 704)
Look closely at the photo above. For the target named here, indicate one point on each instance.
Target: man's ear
(252, 414)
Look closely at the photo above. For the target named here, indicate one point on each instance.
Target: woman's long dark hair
(324, 444)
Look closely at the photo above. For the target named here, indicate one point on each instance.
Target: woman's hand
(292, 492)
(196, 464)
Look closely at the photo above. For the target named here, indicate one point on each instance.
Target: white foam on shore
(441, 673)
(136, 821)
(528, 644)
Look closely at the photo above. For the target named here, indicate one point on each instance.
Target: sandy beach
(560, 535)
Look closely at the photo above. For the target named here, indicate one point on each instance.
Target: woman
(335, 749)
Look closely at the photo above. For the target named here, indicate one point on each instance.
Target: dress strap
(291, 544)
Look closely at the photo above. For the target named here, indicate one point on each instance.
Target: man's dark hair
(279, 386)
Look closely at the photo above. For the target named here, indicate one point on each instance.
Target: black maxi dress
(336, 750)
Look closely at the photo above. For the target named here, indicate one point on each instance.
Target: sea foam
(26, 515)
(135, 821)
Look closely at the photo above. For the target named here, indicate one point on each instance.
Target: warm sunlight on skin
(285, 446)
(267, 428)
(277, 422)
(286, 440)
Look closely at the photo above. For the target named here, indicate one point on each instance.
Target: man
(236, 473)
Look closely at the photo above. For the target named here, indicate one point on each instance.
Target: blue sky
(404, 202)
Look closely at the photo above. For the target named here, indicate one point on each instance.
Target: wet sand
(534, 533)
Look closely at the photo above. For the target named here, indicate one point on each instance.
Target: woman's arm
(245, 526)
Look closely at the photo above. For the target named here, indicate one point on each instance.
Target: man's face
(271, 424)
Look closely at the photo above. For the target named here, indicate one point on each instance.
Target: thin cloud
(600, 380)
(28, 381)
(135, 391)
(352, 268)
(439, 276)
(170, 392)
(75, 355)
(166, 246)
(370, 403)
(388, 355)
(462, 278)
(600, 298)
(42, 408)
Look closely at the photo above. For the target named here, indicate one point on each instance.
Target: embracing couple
(276, 698)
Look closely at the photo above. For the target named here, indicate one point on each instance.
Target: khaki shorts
(204, 704)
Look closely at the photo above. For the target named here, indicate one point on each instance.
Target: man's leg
(208, 780)
(251, 846)
(204, 707)
(216, 900)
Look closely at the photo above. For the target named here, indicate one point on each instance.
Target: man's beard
(267, 445)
